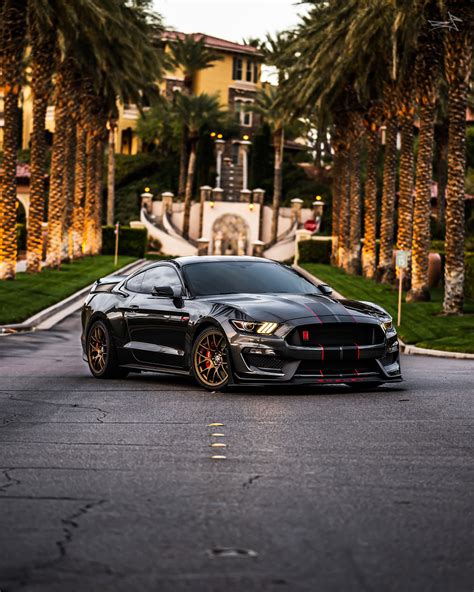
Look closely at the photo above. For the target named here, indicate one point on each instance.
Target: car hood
(286, 307)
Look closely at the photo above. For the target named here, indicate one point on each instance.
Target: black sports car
(235, 320)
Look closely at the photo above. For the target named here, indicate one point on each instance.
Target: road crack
(10, 481)
(100, 419)
(249, 481)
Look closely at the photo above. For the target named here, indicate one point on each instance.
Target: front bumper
(272, 360)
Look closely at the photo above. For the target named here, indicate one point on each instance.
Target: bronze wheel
(101, 354)
(97, 349)
(211, 359)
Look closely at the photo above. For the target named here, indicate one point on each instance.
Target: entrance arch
(230, 235)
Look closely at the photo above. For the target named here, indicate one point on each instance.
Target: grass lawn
(422, 324)
(28, 294)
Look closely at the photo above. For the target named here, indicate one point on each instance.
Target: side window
(134, 284)
(160, 276)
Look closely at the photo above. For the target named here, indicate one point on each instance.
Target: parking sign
(402, 259)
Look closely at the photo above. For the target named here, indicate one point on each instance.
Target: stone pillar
(220, 144)
(147, 198)
(245, 195)
(217, 194)
(257, 248)
(318, 208)
(205, 195)
(259, 198)
(296, 205)
(217, 246)
(301, 235)
(203, 246)
(245, 166)
(167, 202)
(241, 244)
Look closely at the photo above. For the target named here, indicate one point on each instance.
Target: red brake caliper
(208, 355)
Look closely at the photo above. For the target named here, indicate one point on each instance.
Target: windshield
(244, 277)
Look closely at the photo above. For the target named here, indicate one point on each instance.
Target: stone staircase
(231, 180)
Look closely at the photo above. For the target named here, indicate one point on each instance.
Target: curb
(47, 318)
(411, 350)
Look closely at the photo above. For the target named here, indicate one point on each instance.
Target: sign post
(117, 226)
(401, 264)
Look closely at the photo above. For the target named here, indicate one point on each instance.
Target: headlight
(251, 327)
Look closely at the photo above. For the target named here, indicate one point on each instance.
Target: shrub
(132, 241)
(469, 275)
(314, 251)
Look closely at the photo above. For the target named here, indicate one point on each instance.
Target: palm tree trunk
(14, 34)
(189, 188)
(111, 174)
(68, 186)
(79, 190)
(336, 191)
(99, 178)
(279, 141)
(344, 218)
(442, 140)
(458, 63)
(90, 194)
(42, 53)
(353, 259)
(405, 203)
(183, 162)
(385, 271)
(56, 203)
(369, 257)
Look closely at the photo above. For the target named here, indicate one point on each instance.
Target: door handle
(134, 306)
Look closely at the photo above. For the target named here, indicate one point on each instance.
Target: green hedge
(314, 251)
(469, 275)
(132, 241)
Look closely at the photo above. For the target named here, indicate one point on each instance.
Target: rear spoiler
(107, 284)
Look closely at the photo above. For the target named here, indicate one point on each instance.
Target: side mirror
(168, 291)
(325, 289)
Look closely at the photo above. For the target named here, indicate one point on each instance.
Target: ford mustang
(235, 320)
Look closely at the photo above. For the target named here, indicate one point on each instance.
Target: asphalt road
(110, 485)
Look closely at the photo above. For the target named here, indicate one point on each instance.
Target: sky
(229, 19)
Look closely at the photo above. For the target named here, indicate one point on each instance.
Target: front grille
(337, 334)
(264, 362)
(336, 367)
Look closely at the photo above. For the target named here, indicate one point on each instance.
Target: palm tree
(196, 112)
(427, 72)
(458, 50)
(12, 45)
(190, 54)
(369, 257)
(42, 43)
(268, 103)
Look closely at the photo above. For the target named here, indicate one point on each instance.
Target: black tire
(101, 354)
(210, 360)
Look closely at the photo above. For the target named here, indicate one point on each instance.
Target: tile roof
(214, 42)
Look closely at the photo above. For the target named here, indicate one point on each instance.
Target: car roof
(181, 261)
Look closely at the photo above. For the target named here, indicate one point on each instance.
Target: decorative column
(257, 248)
(217, 194)
(296, 205)
(220, 144)
(147, 198)
(203, 246)
(166, 203)
(259, 198)
(318, 208)
(245, 195)
(245, 163)
(241, 244)
(217, 247)
(205, 195)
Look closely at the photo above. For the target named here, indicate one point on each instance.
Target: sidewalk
(47, 318)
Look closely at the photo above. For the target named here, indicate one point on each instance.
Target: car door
(157, 324)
